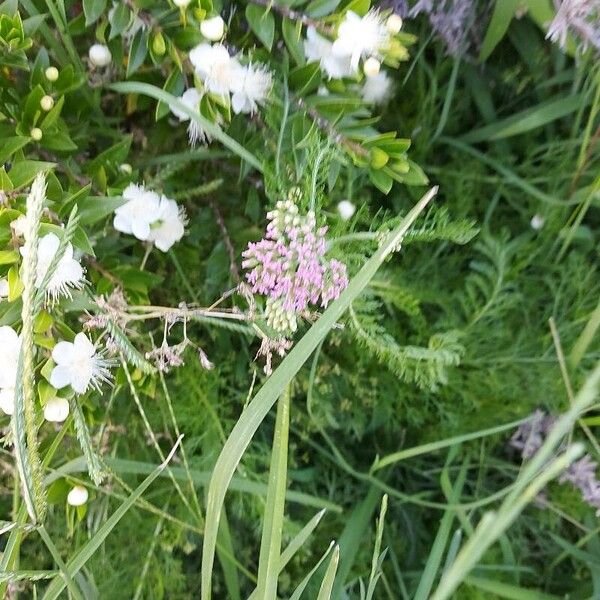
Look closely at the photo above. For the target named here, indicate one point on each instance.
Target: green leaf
(262, 23)
(78, 561)
(329, 577)
(504, 11)
(256, 411)
(119, 19)
(500, 589)
(292, 35)
(24, 171)
(93, 9)
(322, 8)
(381, 180)
(175, 85)
(8, 257)
(9, 145)
(137, 51)
(270, 545)
(379, 158)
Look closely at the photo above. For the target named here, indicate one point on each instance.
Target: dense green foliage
(485, 311)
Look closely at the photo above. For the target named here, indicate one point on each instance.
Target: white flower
(346, 209)
(359, 37)
(68, 273)
(394, 24)
(250, 88)
(78, 365)
(191, 98)
(10, 347)
(169, 226)
(371, 67)
(537, 222)
(100, 55)
(78, 496)
(4, 288)
(138, 213)
(181, 3)
(213, 29)
(377, 89)
(215, 67)
(56, 410)
(318, 49)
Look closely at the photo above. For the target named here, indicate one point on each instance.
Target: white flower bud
(371, 67)
(36, 134)
(56, 410)
(213, 29)
(125, 168)
(78, 496)
(51, 73)
(100, 55)
(346, 209)
(394, 24)
(537, 222)
(4, 288)
(181, 3)
(47, 102)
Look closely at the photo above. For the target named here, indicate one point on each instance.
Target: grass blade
(259, 407)
(504, 590)
(270, 545)
(329, 578)
(300, 589)
(78, 561)
(146, 89)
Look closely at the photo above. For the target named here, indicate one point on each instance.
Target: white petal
(141, 230)
(60, 377)
(7, 400)
(64, 353)
(83, 346)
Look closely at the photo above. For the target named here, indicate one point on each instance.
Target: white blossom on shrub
(10, 347)
(79, 365)
(213, 29)
(68, 274)
(100, 55)
(361, 37)
(191, 98)
(169, 226)
(377, 89)
(215, 67)
(250, 88)
(138, 213)
(150, 217)
(319, 49)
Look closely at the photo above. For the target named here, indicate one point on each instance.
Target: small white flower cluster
(358, 38)
(150, 217)
(244, 86)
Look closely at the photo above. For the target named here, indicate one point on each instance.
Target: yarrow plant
(288, 267)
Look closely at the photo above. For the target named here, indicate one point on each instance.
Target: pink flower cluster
(289, 266)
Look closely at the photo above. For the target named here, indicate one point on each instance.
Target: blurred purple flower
(529, 436)
(582, 474)
(450, 20)
(578, 17)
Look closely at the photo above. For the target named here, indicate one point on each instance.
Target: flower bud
(125, 168)
(537, 222)
(158, 44)
(36, 134)
(78, 496)
(47, 103)
(100, 55)
(371, 67)
(51, 73)
(213, 29)
(181, 3)
(394, 23)
(346, 209)
(56, 410)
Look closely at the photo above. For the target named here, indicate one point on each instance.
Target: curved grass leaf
(257, 410)
(137, 87)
